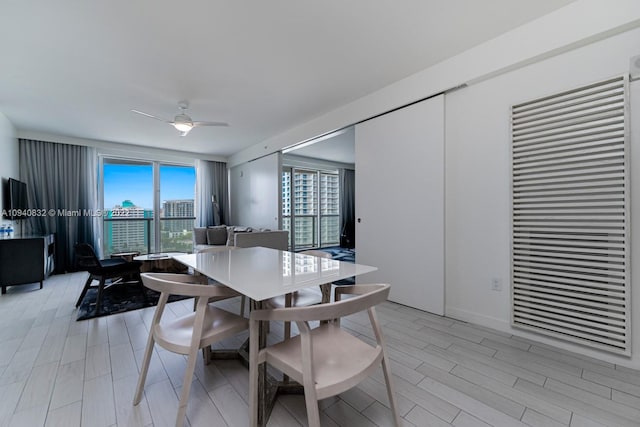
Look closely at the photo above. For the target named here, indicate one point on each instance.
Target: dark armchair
(103, 270)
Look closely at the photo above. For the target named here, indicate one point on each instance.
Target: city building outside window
(311, 207)
(148, 206)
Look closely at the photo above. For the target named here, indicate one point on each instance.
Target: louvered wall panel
(570, 243)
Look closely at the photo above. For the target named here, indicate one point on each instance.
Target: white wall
(254, 189)
(478, 179)
(8, 158)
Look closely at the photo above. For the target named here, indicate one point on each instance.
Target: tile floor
(55, 371)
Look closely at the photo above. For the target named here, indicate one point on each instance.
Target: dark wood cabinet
(27, 259)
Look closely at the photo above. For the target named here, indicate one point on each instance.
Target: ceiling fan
(182, 122)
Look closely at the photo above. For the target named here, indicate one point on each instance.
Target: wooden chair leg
(311, 401)
(206, 354)
(186, 388)
(87, 285)
(391, 392)
(148, 351)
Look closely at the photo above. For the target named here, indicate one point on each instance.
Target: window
(149, 207)
(329, 209)
(128, 205)
(177, 189)
(310, 207)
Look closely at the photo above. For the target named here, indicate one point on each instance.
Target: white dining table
(262, 273)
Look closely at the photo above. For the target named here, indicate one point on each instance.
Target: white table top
(263, 273)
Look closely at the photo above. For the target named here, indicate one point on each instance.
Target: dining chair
(303, 297)
(326, 360)
(189, 333)
(103, 270)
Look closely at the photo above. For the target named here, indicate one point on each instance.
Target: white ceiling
(77, 68)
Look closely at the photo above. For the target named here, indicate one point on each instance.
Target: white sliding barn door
(400, 203)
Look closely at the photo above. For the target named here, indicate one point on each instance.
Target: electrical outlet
(496, 284)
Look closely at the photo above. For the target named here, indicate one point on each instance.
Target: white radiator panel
(570, 216)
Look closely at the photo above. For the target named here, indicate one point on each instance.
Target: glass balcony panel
(127, 235)
(176, 235)
(305, 231)
(330, 230)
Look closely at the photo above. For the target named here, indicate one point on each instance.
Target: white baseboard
(505, 326)
(482, 320)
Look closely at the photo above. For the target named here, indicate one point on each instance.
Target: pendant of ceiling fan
(182, 122)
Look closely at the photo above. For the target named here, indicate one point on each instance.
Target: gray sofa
(242, 237)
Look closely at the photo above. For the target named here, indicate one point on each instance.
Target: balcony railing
(138, 235)
(306, 231)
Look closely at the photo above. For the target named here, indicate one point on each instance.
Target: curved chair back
(326, 360)
(86, 258)
(184, 284)
(367, 297)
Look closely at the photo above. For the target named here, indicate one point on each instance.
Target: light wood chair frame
(301, 348)
(187, 285)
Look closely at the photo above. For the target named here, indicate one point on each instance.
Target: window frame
(156, 220)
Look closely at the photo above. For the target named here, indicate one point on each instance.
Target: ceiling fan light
(183, 127)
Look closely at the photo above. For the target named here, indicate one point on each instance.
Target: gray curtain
(62, 186)
(212, 193)
(347, 208)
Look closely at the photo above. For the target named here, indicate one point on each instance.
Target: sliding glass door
(177, 189)
(128, 206)
(148, 206)
(310, 207)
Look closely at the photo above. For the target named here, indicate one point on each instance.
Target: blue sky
(135, 183)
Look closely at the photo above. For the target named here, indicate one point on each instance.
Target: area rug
(118, 299)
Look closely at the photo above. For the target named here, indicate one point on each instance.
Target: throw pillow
(217, 235)
(200, 235)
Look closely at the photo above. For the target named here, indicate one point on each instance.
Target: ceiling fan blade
(210, 124)
(149, 115)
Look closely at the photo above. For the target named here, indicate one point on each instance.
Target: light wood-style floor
(55, 371)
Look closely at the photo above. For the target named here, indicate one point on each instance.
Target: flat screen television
(15, 199)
